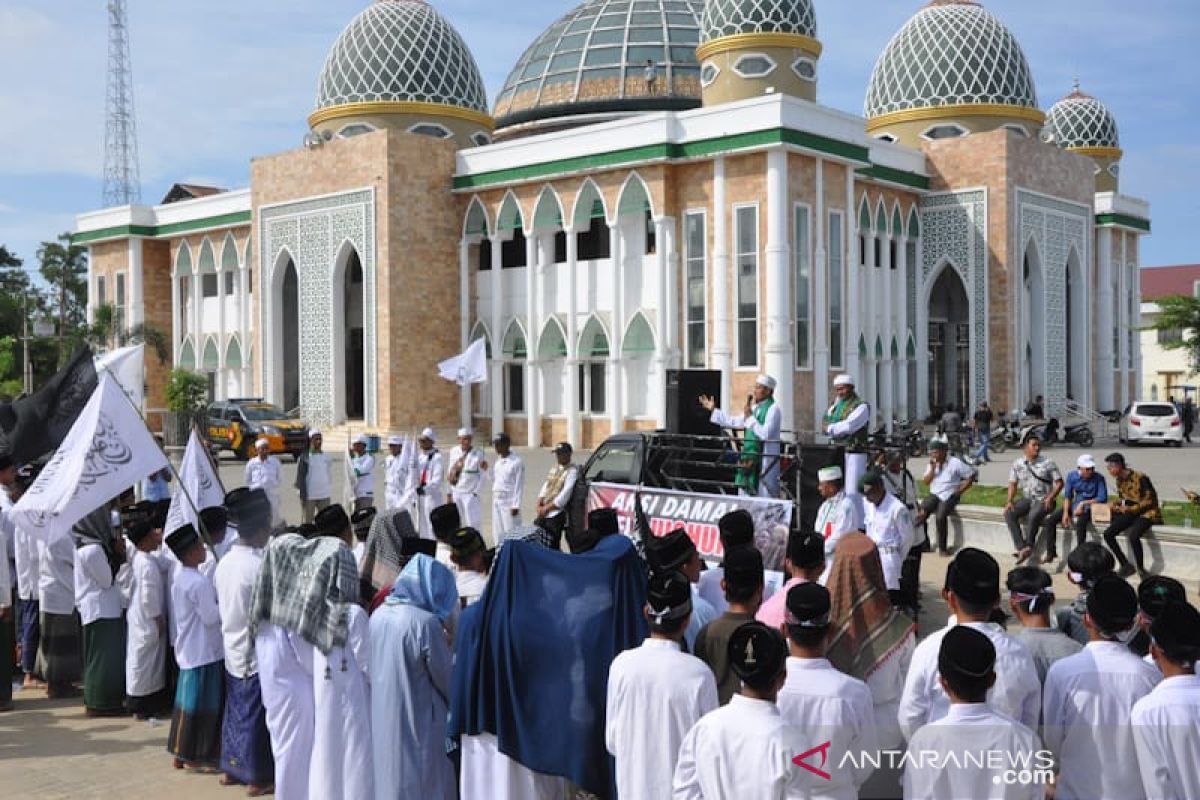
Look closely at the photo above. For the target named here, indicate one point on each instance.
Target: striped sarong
(196, 721)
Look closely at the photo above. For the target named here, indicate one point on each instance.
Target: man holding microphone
(762, 419)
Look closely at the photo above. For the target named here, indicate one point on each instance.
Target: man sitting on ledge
(948, 478)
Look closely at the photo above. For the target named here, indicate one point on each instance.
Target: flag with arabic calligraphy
(199, 477)
(107, 450)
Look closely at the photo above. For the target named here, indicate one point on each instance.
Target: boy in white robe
(972, 591)
(744, 749)
(1089, 698)
(951, 758)
(1166, 722)
(285, 674)
(146, 643)
(826, 704)
(656, 693)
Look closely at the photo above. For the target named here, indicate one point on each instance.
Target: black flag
(36, 425)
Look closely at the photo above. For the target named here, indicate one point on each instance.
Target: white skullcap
(766, 380)
(843, 380)
(1086, 460)
(262, 443)
(394, 439)
(314, 432)
(827, 474)
(429, 434)
(361, 439)
(465, 432)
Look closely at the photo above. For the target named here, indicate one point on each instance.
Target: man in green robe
(762, 420)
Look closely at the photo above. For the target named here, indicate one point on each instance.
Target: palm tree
(108, 331)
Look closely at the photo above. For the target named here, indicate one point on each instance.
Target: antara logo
(823, 749)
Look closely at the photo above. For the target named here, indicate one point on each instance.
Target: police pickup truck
(236, 424)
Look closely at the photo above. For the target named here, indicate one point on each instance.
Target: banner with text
(698, 514)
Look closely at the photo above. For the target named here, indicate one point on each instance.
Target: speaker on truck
(684, 412)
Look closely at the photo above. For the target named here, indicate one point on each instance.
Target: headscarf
(97, 528)
(426, 583)
(527, 533)
(866, 629)
(382, 558)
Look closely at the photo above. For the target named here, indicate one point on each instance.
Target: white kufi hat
(766, 380)
(827, 474)
(429, 434)
(394, 439)
(843, 380)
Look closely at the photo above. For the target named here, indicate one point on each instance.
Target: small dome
(732, 17)
(952, 53)
(592, 61)
(1079, 122)
(401, 51)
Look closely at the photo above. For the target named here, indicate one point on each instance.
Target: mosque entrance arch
(1033, 324)
(289, 305)
(348, 341)
(949, 341)
(1076, 341)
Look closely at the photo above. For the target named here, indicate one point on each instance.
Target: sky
(219, 82)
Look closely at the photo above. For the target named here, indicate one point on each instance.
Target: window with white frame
(101, 290)
(480, 138)
(836, 334)
(803, 259)
(709, 73)
(230, 277)
(355, 129)
(946, 131)
(746, 260)
(515, 353)
(805, 68)
(208, 284)
(433, 129)
(696, 289)
(593, 353)
(754, 65)
(119, 299)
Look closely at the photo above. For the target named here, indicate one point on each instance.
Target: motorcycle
(911, 439)
(1011, 430)
(1052, 432)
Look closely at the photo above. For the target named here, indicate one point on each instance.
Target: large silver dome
(399, 51)
(951, 53)
(592, 61)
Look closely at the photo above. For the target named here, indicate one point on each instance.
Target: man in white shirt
(245, 743)
(555, 494)
(430, 474)
(362, 466)
(465, 476)
(888, 525)
(656, 693)
(397, 480)
(1040, 481)
(1089, 699)
(846, 424)
(829, 706)
(837, 516)
(948, 478)
(469, 554)
(762, 420)
(314, 480)
(1166, 722)
(508, 484)
(265, 472)
(972, 592)
(966, 753)
(745, 749)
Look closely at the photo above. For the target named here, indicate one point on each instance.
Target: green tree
(1180, 312)
(63, 265)
(109, 332)
(187, 392)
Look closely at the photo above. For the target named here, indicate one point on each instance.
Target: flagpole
(186, 494)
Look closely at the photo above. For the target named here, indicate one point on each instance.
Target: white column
(534, 253)
(137, 311)
(1136, 322)
(887, 400)
(1123, 323)
(244, 315)
(899, 328)
(820, 302)
(178, 323)
(616, 420)
(722, 354)
(663, 228)
(496, 370)
(860, 297)
(197, 316)
(1104, 321)
(464, 321)
(573, 428)
(853, 297)
(781, 361)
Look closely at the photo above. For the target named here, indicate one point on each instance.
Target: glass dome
(594, 61)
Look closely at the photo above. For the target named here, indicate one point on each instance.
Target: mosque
(655, 187)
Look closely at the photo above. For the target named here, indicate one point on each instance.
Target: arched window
(593, 353)
(515, 352)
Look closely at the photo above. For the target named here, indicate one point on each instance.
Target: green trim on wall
(159, 231)
(1124, 220)
(891, 175)
(668, 151)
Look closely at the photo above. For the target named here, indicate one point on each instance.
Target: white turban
(429, 434)
(843, 380)
(829, 474)
(262, 443)
(465, 432)
(767, 381)
(393, 439)
(361, 439)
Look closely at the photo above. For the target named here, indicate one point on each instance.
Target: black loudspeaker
(813, 458)
(684, 412)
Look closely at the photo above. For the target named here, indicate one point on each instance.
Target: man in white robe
(744, 749)
(887, 522)
(656, 693)
(826, 704)
(466, 474)
(847, 424)
(837, 516)
(469, 554)
(972, 591)
(397, 478)
(762, 420)
(1089, 700)
(362, 473)
(1166, 722)
(410, 684)
(430, 474)
(951, 758)
(508, 485)
(146, 642)
(285, 672)
(265, 472)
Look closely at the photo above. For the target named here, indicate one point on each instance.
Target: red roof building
(1163, 281)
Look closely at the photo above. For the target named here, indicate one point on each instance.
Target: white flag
(125, 365)
(197, 475)
(107, 451)
(469, 366)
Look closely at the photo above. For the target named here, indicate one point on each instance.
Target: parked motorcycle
(1051, 432)
(1012, 430)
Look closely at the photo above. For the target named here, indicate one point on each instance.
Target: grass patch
(1176, 513)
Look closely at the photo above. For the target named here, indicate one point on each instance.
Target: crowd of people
(386, 651)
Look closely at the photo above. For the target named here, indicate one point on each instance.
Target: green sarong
(104, 665)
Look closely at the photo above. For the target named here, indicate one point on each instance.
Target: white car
(1150, 422)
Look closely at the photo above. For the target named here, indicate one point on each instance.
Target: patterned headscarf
(866, 628)
(382, 558)
(527, 533)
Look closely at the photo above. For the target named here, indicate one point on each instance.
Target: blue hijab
(532, 656)
(426, 583)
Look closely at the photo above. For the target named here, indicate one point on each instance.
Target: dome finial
(1076, 83)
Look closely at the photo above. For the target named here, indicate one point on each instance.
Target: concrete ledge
(1171, 551)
